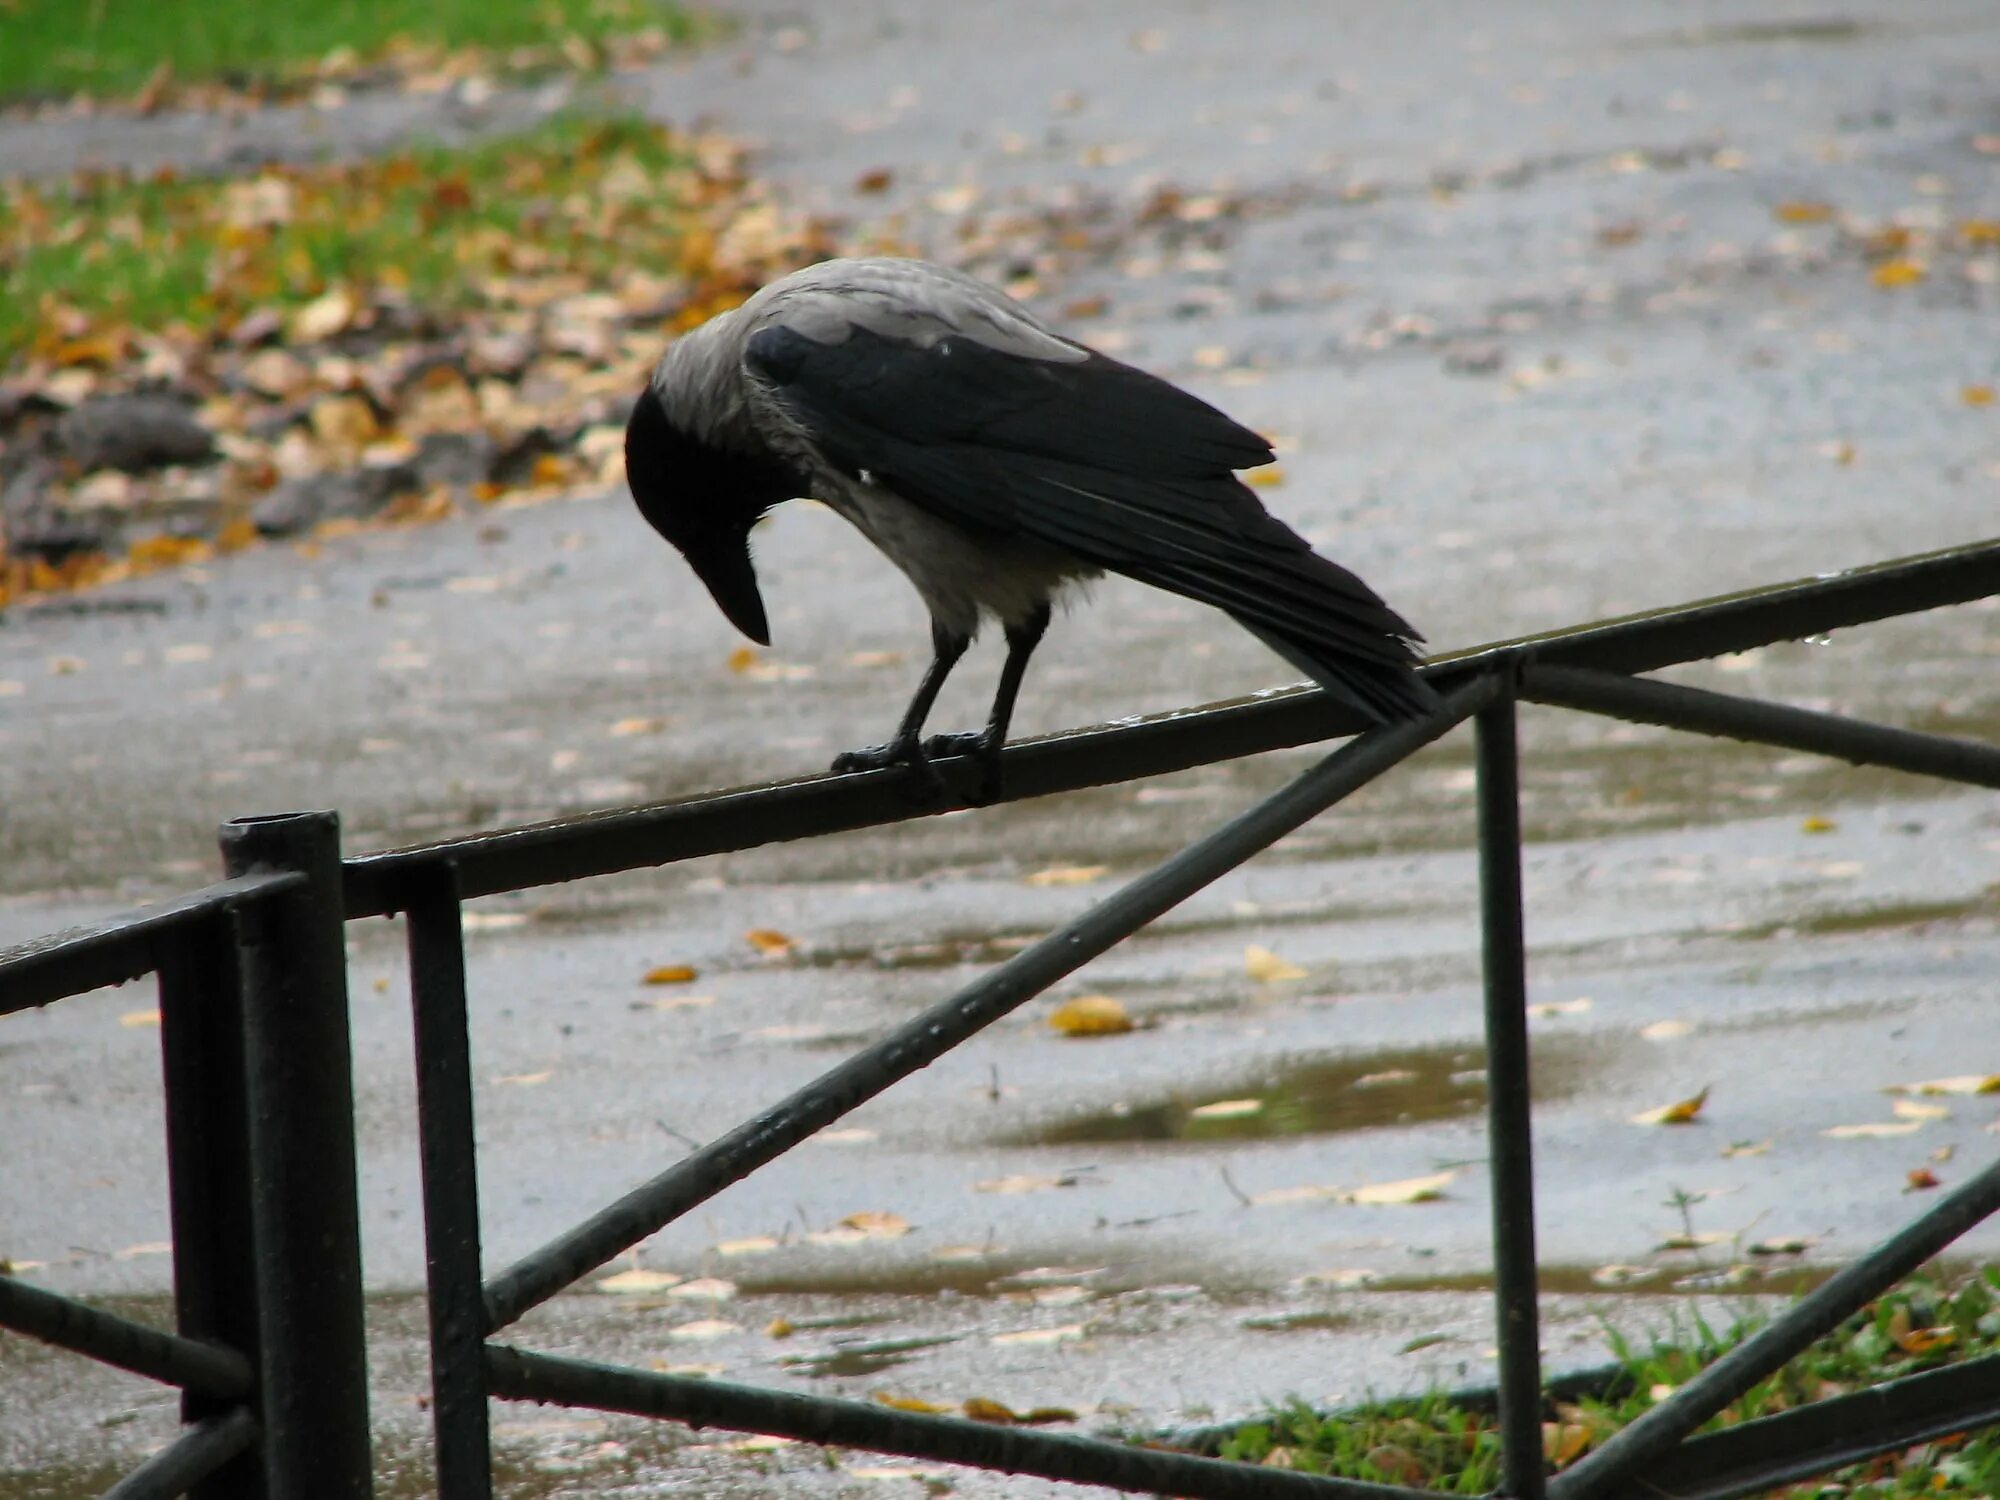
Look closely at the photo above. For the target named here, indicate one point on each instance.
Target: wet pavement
(1511, 291)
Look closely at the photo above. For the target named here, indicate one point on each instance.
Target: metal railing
(1590, 669)
(267, 1347)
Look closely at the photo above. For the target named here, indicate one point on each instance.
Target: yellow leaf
(1803, 211)
(779, 1328)
(1874, 1130)
(640, 724)
(877, 1225)
(704, 1289)
(1067, 875)
(1090, 1015)
(1963, 1083)
(1269, 477)
(1980, 231)
(744, 658)
(1408, 1190)
(525, 1080)
(637, 1281)
(1817, 824)
(1266, 967)
(324, 317)
(1021, 1182)
(1682, 1112)
(1899, 272)
(1909, 1109)
(770, 943)
(140, 1018)
(908, 1403)
(753, 1244)
(1977, 395)
(980, 1409)
(671, 974)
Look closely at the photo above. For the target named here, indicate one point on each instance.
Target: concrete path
(1514, 290)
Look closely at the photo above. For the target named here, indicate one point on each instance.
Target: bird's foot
(985, 747)
(904, 750)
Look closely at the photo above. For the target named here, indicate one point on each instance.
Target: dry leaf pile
(310, 348)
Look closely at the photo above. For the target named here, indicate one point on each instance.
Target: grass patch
(51, 48)
(574, 204)
(1434, 1442)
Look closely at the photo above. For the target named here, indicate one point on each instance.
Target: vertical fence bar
(451, 1188)
(298, 1062)
(1516, 1284)
(208, 1167)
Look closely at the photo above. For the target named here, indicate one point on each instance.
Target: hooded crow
(995, 462)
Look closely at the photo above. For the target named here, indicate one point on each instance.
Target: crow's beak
(726, 569)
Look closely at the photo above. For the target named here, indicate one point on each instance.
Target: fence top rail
(628, 838)
(119, 948)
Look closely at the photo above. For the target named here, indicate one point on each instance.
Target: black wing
(1103, 461)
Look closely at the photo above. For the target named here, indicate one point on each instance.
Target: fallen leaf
(1266, 967)
(1345, 1278)
(1963, 1083)
(1666, 1031)
(909, 1403)
(1062, 1335)
(525, 1080)
(1617, 1275)
(640, 724)
(1408, 1190)
(1803, 211)
(1873, 1130)
(779, 1328)
(1067, 875)
(1269, 477)
(675, 1002)
(1550, 1008)
(1021, 1182)
(876, 1225)
(770, 943)
(1681, 1112)
(1909, 1109)
(980, 1409)
(1976, 395)
(753, 1244)
(1747, 1148)
(1817, 824)
(1921, 1178)
(1090, 1015)
(140, 1018)
(705, 1289)
(671, 974)
(1226, 1109)
(637, 1281)
(1898, 272)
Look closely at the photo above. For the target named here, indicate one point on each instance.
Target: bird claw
(982, 746)
(898, 752)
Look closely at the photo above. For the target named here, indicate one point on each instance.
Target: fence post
(208, 1168)
(1515, 1278)
(298, 1066)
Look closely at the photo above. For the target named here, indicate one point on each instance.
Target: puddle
(862, 1358)
(1369, 1091)
(1871, 918)
(1686, 1277)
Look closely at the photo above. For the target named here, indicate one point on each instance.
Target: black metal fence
(260, 1129)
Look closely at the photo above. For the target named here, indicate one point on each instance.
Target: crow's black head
(704, 500)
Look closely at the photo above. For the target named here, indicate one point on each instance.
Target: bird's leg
(1022, 638)
(907, 747)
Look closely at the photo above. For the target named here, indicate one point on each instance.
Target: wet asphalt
(1511, 290)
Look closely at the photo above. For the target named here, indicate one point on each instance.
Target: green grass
(1431, 1443)
(59, 47)
(90, 261)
